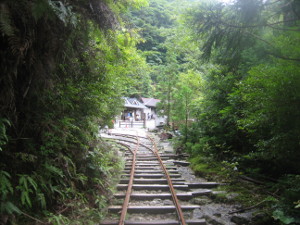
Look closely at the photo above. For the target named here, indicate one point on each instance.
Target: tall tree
(248, 103)
(64, 67)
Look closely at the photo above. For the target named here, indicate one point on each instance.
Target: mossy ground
(235, 190)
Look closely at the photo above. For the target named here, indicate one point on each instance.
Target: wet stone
(168, 202)
(240, 220)
(217, 214)
(197, 214)
(201, 201)
(232, 196)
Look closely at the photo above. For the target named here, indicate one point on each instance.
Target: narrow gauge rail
(146, 171)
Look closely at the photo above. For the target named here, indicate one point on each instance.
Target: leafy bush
(287, 208)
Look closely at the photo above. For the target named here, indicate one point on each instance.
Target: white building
(151, 103)
(141, 113)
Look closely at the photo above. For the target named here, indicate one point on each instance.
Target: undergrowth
(276, 201)
(62, 196)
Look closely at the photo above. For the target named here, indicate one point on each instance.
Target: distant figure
(128, 116)
(148, 116)
(106, 129)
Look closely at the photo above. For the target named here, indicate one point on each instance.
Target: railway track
(151, 190)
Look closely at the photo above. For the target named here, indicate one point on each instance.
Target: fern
(9, 208)
(3, 135)
(53, 170)
(26, 186)
(63, 12)
(5, 185)
(42, 200)
(5, 21)
(58, 219)
(40, 9)
(6, 189)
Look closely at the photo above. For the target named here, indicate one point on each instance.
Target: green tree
(186, 98)
(248, 110)
(65, 67)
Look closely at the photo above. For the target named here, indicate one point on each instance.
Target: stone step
(154, 175)
(156, 222)
(149, 171)
(142, 156)
(153, 181)
(154, 157)
(181, 163)
(203, 185)
(151, 167)
(181, 196)
(152, 154)
(152, 187)
(151, 209)
(150, 163)
(149, 159)
(202, 192)
(146, 196)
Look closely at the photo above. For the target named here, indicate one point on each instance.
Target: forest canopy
(227, 74)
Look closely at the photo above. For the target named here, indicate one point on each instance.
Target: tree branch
(259, 38)
(285, 29)
(257, 25)
(248, 208)
(284, 57)
(33, 218)
(273, 54)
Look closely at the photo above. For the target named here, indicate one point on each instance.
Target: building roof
(133, 103)
(150, 102)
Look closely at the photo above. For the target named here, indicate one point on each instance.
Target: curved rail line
(129, 188)
(174, 196)
(123, 140)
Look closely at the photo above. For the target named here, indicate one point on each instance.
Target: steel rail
(128, 135)
(126, 146)
(174, 196)
(122, 144)
(129, 188)
(145, 146)
(130, 184)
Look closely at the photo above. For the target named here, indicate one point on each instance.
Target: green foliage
(5, 21)
(3, 135)
(270, 95)
(58, 219)
(286, 210)
(27, 186)
(6, 186)
(6, 190)
(64, 73)
(62, 11)
(249, 108)
(247, 114)
(151, 21)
